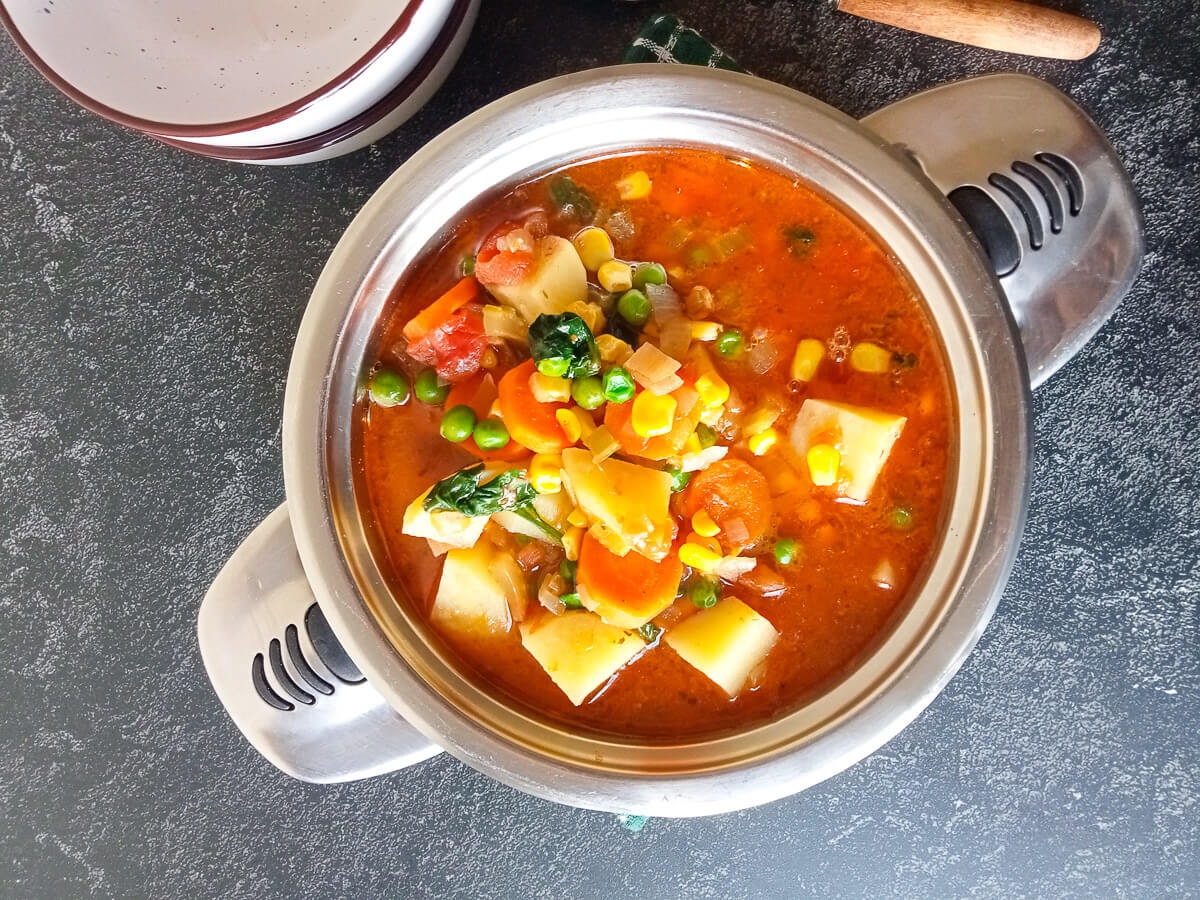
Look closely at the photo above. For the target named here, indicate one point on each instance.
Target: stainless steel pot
(1049, 204)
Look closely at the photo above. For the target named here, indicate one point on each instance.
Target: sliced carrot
(617, 418)
(732, 489)
(478, 392)
(530, 422)
(627, 591)
(441, 309)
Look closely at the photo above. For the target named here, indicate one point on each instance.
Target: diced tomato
(496, 266)
(456, 347)
(441, 309)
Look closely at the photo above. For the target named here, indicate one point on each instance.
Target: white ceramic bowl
(250, 80)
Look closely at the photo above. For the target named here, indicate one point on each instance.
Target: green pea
(703, 593)
(567, 569)
(571, 601)
(634, 308)
(705, 435)
(618, 385)
(458, 423)
(554, 366)
(729, 343)
(679, 479)
(902, 518)
(786, 551)
(588, 392)
(649, 273)
(429, 389)
(388, 387)
(490, 434)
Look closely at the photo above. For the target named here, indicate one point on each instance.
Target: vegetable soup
(658, 442)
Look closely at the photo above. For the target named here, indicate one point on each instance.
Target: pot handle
(1041, 189)
(283, 676)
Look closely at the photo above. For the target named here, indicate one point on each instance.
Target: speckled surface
(148, 302)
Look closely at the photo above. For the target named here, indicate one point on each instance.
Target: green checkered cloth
(666, 39)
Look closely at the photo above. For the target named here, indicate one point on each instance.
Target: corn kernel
(711, 415)
(701, 541)
(703, 524)
(760, 420)
(706, 331)
(868, 357)
(692, 444)
(572, 541)
(760, 443)
(577, 518)
(591, 313)
(490, 360)
(613, 350)
(545, 473)
(594, 247)
(615, 275)
(549, 389)
(809, 353)
(576, 424)
(713, 389)
(702, 559)
(652, 415)
(823, 463)
(634, 186)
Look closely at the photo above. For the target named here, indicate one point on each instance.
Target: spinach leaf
(649, 632)
(800, 238)
(571, 199)
(904, 360)
(511, 490)
(567, 342)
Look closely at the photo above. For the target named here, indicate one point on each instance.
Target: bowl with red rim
(250, 82)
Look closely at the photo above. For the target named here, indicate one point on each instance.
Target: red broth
(781, 261)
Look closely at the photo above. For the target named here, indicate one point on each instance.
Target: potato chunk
(558, 280)
(578, 651)
(475, 591)
(863, 436)
(554, 508)
(724, 642)
(443, 527)
(628, 503)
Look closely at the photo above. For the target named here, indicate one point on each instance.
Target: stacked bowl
(247, 80)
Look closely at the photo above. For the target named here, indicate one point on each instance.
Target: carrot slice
(627, 591)
(441, 309)
(478, 392)
(530, 422)
(617, 417)
(732, 489)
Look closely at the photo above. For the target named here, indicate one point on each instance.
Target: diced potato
(473, 595)
(554, 508)
(443, 526)
(578, 651)
(724, 642)
(558, 279)
(863, 438)
(628, 500)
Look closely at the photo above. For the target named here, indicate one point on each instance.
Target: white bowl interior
(201, 61)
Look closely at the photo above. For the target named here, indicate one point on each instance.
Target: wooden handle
(1008, 25)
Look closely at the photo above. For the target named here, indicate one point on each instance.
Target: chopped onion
(686, 399)
(731, 568)
(762, 354)
(512, 583)
(735, 531)
(502, 323)
(664, 301)
(550, 593)
(765, 581)
(702, 459)
(602, 444)
(652, 368)
(675, 336)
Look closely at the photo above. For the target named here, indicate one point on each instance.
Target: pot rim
(982, 346)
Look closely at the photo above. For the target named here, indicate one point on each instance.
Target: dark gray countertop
(148, 302)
